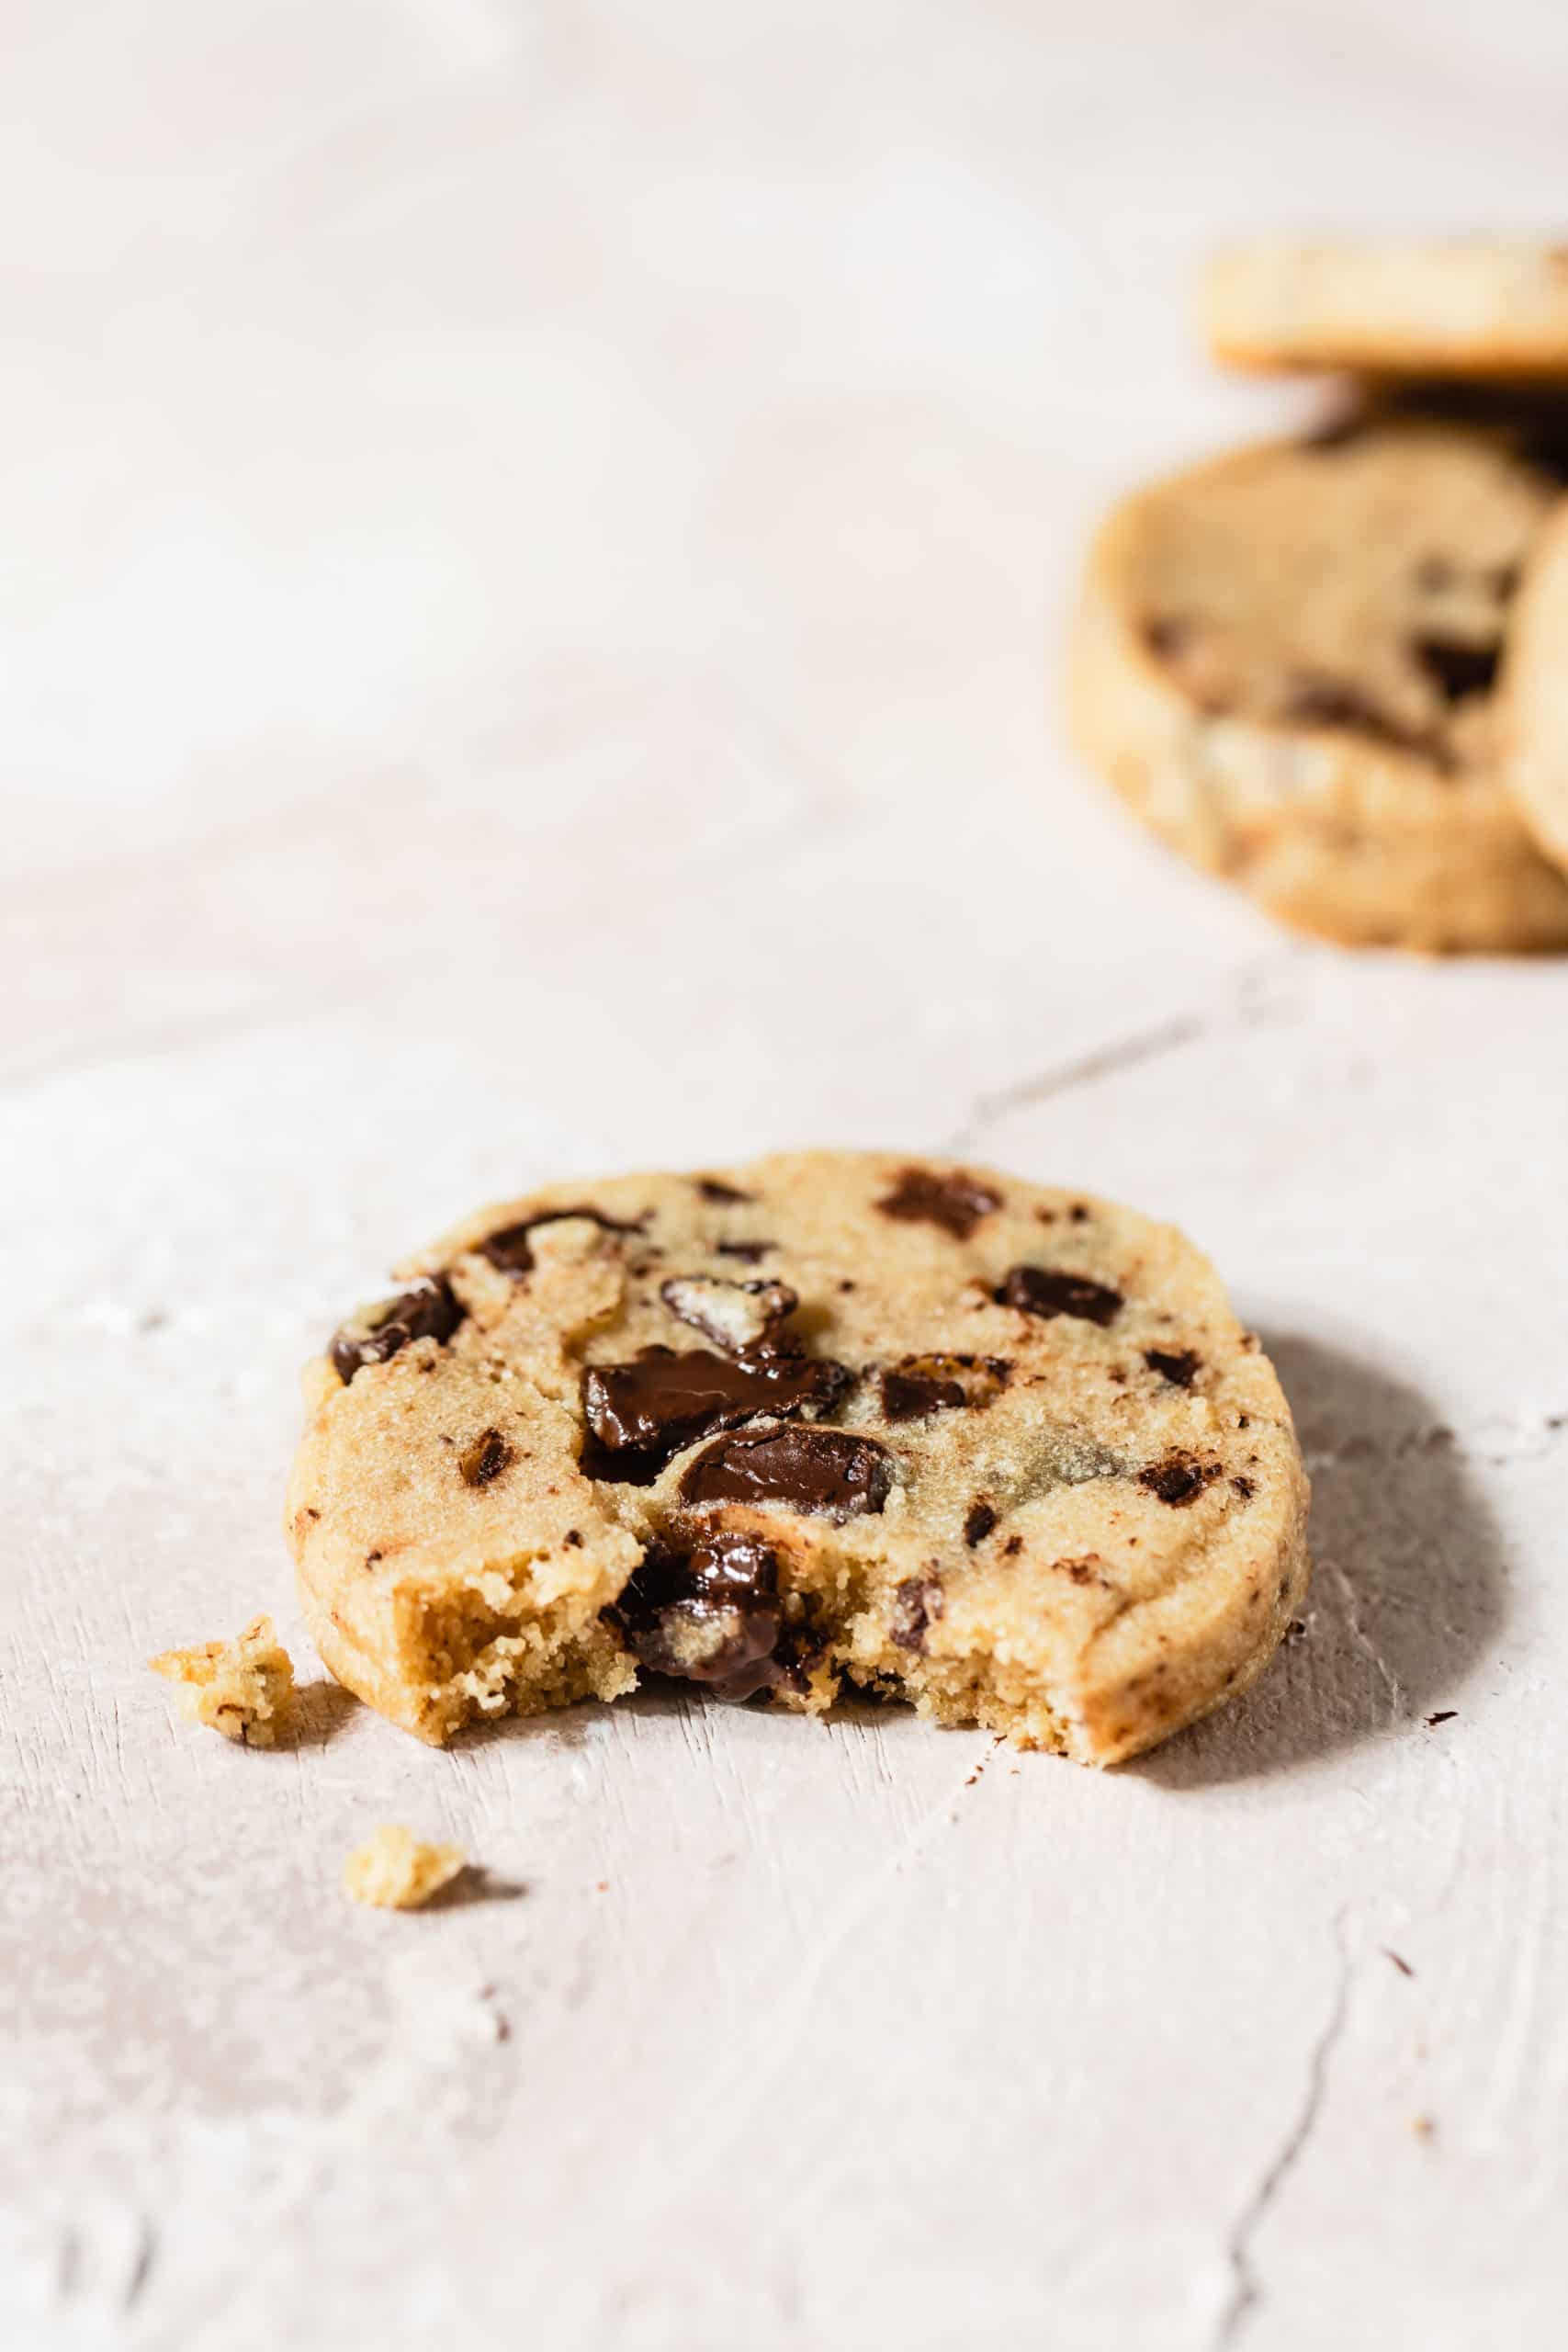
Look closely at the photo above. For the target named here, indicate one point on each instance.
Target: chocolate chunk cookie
(1536, 694)
(1000, 1451)
(1475, 307)
(1286, 663)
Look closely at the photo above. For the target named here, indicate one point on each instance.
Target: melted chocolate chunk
(721, 1194)
(1338, 433)
(750, 1253)
(946, 1198)
(1335, 703)
(916, 1602)
(829, 1473)
(909, 1396)
(428, 1309)
(978, 1522)
(1167, 635)
(1458, 670)
(1047, 1291)
(1180, 1479)
(709, 1611)
(508, 1247)
(1180, 1366)
(482, 1463)
(642, 1414)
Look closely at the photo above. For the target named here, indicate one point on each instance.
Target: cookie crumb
(395, 1871)
(1423, 2126)
(243, 1689)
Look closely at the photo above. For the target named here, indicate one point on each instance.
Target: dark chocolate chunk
(722, 1195)
(484, 1461)
(916, 1602)
(1457, 669)
(1167, 635)
(978, 1521)
(1335, 703)
(830, 1473)
(1337, 432)
(750, 1253)
(1012, 1547)
(708, 1610)
(909, 1396)
(1443, 1715)
(947, 1198)
(428, 1309)
(1244, 1487)
(642, 1414)
(508, 1247)
(1048, 1291)
(1180, 1366)
(1180, 1479)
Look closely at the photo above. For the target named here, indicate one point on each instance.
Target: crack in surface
(1244, 1008)
(1246, 2288)
(1363, 1640)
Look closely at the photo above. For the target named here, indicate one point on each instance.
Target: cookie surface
(1536, 694)
(1472, 307)
(1286, 663)
(942, 1435)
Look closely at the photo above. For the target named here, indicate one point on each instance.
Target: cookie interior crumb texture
(1286, 663)
(243, 1689)
(827, 1420)
(395, 1871)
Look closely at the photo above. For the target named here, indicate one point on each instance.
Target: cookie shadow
(321, 1710)
(1407, 1591)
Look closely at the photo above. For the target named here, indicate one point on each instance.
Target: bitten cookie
(1472, 307)
(1285, 663)
(945, 1436)
(1536, 694)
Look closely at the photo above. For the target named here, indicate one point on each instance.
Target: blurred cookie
(1286, 663)
(1471, 306)
(1536, 694)
(945, 1436)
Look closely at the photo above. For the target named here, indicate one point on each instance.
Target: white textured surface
(531, 535)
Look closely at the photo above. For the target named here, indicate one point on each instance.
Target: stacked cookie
(1336, 669)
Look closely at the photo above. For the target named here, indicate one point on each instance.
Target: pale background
(533, 542)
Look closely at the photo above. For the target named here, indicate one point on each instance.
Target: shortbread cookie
(1285, 663)
(1469, 306)
(243, 1689)
(395, 1871)
(1536, 694)
(922, 1429)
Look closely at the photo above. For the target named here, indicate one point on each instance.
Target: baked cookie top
(1288, 660)
(1001, 1449)
(1460, 306)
